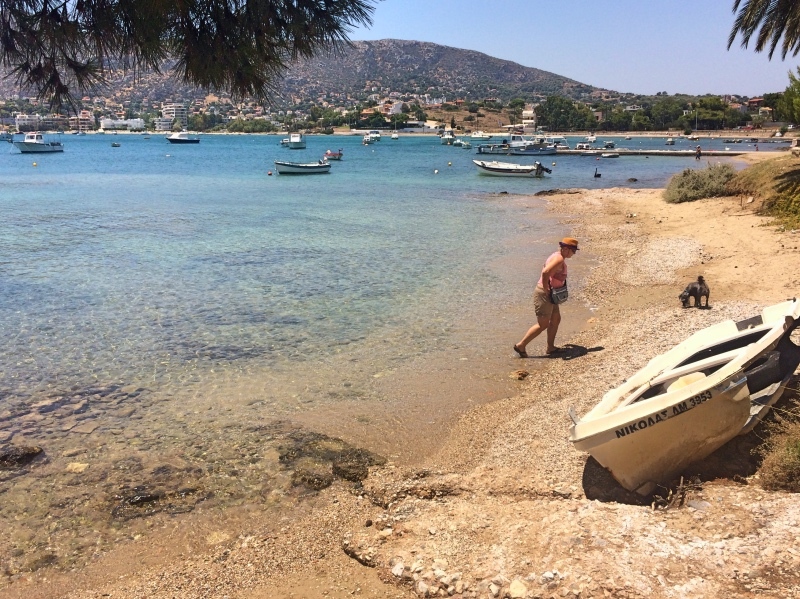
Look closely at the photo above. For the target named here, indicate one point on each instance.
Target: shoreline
(507, 499)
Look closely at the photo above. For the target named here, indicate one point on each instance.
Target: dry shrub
(775, 185)
(691, 184)
(780, 470)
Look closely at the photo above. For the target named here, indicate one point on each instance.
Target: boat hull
(39, 148)
(296, 168)
(183, 141)
(655, 447)
(507, 169)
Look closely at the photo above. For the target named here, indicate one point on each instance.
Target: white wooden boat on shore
(510, 169)
(301, 168)
(686, 403)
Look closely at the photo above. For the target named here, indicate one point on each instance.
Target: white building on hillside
(177, 112)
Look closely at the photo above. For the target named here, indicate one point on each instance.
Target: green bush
(691, 184)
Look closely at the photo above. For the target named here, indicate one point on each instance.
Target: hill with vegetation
(386, 66)
(368, 67)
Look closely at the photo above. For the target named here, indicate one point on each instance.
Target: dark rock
(313, 479)
(142, 501)
(632, 180)
(16, 456)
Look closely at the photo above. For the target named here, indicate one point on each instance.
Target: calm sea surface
(159, 303)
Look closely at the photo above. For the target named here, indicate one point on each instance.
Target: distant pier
(626, 152)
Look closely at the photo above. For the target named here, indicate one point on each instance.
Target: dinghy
(686, 403)
(510, 169)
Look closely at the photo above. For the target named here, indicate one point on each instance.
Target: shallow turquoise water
(166, 310)
(134, 264)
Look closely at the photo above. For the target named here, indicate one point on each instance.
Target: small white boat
(395, 135)
(670, 142)
(609, 155)
(557, 141)
(331, 155)
(609, 145)
(367, 139)
(34, 143)
(480, 136)
(448, 138)
(466, 146)
(510, 169)
(584, 146)
(375, 135)
(591, 138)
(296, 141)
(300, 168)
(285, 141)
(458, 142)
(686, 403)
(182, 137)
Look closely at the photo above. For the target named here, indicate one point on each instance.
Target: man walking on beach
(548, 314)
(697, 153)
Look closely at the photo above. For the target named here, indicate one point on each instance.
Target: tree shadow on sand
(738, 459)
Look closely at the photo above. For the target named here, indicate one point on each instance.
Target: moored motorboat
(610, 155)
(296, 141)
(182, 137)
(447, 138)
(670, 142)
(691, 400)
(301, 168)
(480, 136)
(34, 143)
(510, 169)
(331, 155)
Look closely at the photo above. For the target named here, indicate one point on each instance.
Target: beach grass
(775, 187)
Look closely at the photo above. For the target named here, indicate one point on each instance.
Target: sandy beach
(507, 507)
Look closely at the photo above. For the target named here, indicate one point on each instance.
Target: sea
(179, 321)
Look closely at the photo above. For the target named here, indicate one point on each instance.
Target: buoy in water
(269, 173)
(34, 164)
(449, 164)
(554, 164)
(436, 171)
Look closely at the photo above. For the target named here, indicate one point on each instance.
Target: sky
(641, 47)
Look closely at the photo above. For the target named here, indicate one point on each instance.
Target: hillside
(368, 67)
(422, 67)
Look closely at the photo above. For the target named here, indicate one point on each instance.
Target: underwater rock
(16, 456)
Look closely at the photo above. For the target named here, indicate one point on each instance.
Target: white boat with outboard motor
(302, 168)
(510, 169)
(35, 143)
(688, 402)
